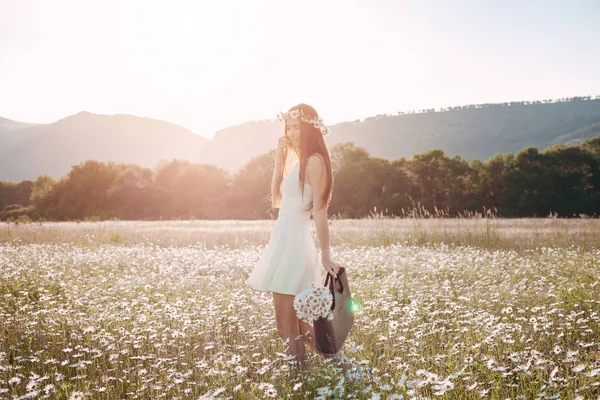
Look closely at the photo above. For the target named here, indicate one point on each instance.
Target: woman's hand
(283, 142)
(331, 266)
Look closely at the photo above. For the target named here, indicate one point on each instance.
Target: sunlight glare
(185, 49)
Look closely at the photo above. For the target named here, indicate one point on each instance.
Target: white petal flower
(578, 368)
(313, 303)
(317, 122)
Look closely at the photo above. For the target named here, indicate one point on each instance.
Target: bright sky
(207, 64)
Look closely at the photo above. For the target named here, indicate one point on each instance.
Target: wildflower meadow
(448, 309)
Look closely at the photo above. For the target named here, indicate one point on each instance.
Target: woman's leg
(288, 327)
(308, 335)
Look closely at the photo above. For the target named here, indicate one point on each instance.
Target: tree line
(498, 105)
(562, 181)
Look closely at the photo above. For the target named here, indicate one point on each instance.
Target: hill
(472, 132)
(53, 148)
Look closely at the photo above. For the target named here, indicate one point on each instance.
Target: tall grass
(375, 230)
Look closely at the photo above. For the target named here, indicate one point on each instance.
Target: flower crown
(317, 122)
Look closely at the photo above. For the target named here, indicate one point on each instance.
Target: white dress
(290, 263)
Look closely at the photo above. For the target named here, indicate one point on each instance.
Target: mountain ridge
(54, 148)
(472, 132)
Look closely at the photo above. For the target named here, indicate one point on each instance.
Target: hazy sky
(207, 65)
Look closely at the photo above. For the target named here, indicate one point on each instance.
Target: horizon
(423, 110)
(210, 66)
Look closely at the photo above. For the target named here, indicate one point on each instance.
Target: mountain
(8, 136)
(9, 125)
(232, 147)
(575, 138)
(53, 148)
(472, 132)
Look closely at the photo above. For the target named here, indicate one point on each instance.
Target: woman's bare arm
(275, 182)
(277, 175)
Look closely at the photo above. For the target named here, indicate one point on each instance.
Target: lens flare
(354, 305)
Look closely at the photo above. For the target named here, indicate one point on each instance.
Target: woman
(290, 263)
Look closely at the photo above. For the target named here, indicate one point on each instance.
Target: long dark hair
(311, 142)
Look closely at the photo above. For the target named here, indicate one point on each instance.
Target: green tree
(84, 191)
(494, 188)
(132, 194)
(571, 170)
(192, 190)
(249, 194)
(439, 181)
(359, 181)
(528, 183)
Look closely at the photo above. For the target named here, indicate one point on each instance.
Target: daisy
(76, 396)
